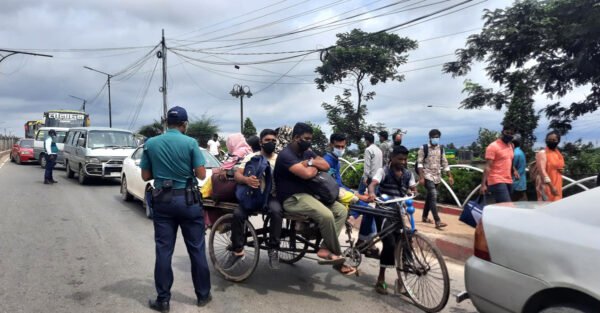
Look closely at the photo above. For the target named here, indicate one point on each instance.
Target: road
(72, 248)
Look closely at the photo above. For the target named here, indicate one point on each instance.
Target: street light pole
(109, 102)
(240, 91)
(84, 101)
(13, 52)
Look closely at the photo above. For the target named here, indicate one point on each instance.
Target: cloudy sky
(209, 37)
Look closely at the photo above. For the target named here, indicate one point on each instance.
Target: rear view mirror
(81, 142)
(137, 162)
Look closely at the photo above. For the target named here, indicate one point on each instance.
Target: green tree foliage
(484, 138)
(536, 46)
(581, 160)
(151, 130)
(320, 141)
(202, 129)
(249, 129)
(362, 56)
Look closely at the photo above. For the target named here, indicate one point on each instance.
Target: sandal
(329, 260)
(381, 288)
(345, 269)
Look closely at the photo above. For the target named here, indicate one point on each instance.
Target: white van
(97, 152)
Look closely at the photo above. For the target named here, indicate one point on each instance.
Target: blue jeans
(168, 216)
(367, 226)
(500, 192)
(50, 163)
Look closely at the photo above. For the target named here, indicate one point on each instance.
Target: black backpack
(425, 155)
(324, 188)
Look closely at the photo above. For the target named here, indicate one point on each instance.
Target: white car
(537, 257)
(132, 185)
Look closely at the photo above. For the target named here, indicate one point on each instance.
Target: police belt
(176, 192)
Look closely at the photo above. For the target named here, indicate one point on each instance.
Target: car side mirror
(137, 162)
(81, 142)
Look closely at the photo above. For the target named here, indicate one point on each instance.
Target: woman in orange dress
(550, 164)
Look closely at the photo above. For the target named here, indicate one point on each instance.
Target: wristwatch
(310, 162)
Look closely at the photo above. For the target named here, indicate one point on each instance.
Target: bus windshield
(111, 139)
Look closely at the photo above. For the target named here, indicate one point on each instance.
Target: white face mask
(338, 152)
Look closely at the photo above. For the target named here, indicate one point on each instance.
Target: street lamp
(84, 101)
(109, 104)
(240, 91)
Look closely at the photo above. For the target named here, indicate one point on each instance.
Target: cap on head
(176, 115)
(52, 132)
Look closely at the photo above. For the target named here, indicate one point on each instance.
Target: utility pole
(13, 52)
(240, 91)
(109, 103)
(162, 54)
(84, 101)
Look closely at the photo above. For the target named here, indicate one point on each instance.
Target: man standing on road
(384, 145)
(174, 161)
(430, 162)
(214, 145)
(51, 152)
(373, 162)
(519, 184)
(497, 175)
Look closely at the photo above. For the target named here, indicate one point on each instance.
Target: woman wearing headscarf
(238, 149)
(550, 165)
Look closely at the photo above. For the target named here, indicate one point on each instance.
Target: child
(394, 180)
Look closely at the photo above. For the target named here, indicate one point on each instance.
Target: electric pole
(162, 54)
(84, 101)
(13, 52)
(240, 91)
(109, 103)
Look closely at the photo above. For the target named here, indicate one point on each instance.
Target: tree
(451, 146)
(536, 46)
(249, 129)
(485, 138)
(363, 56)
(151, 130)
(202, 129)
(319, 141)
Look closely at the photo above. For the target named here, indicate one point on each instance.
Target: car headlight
(24, 152)
(92, 160)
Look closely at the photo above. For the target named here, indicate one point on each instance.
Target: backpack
(324, 188)
(253, 199)
(425, 155)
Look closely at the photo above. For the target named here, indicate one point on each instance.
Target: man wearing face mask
(431, 160)
(296, 164)
(268, 142)
(373, 161)
(174, 161)
(497, 175)
(51, 152)
(397, 139)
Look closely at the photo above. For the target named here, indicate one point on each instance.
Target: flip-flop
(330, 261)
(381, 288)
(339, 267)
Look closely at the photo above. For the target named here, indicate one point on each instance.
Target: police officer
(51, 151)
(173, 160)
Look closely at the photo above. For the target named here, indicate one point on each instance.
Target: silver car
(537, 257)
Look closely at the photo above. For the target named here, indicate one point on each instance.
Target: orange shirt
(501, 155)
(555, 163)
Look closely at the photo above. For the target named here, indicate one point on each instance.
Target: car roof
(55, 128)
(101, 128)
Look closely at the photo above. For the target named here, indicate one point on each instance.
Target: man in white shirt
(373, 162)
(214, 145)
(51, 151)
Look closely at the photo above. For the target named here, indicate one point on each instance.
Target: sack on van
(253, 199)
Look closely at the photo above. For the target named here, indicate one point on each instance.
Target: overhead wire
(143, 98)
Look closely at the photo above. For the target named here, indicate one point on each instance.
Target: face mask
(268, 147)
(507, 138)
(397, 142)
(338, 152)
(435, 141)
(552, 144)
(304, 145)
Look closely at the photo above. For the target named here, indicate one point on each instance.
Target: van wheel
(70, 173)
(43, 160)
(125, 195)
(81, 177)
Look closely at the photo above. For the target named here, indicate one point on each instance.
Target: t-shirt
(501, 155)
(271, 160)
(520, 164)
(380, 176)
(287, 183)
(213, 147)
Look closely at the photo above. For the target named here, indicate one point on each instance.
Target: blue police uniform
(171, 157)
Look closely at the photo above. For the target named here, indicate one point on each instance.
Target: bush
(351, 178)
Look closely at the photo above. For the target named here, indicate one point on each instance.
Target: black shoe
(159, 306)
(232, 260)
(205, 301)
(47, 182)
(273, 259)
(53, 181)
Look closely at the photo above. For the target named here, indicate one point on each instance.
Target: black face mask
(268, 147)
(397, 142)
(304, 145)
(552, 144)
(507, 138)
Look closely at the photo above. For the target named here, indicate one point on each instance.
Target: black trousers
(431, 200)
(275, 211)
(50, 163)
(168, 216)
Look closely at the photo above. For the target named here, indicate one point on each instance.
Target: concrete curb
(3, 153)
(447, 209)
(453, 250)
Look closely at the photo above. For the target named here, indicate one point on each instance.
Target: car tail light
(480, 248)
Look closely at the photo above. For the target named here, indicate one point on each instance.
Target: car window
(137, 155)
(69, 138)
(81, 135)
(28, 143)
(41, 135)
(60, 136)
(211, 161)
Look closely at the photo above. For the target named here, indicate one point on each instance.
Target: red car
(22, 151)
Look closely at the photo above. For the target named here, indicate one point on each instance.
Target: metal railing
(6, 143)
(572, 182)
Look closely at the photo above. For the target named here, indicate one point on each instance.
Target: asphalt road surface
(72, 248)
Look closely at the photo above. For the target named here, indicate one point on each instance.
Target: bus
(31, 128)
(66, 118)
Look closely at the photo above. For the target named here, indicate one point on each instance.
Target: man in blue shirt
(519, 185)
(174, 161)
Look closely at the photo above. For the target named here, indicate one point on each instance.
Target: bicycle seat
(389, 200)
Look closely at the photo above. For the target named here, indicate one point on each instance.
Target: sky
(207, 38)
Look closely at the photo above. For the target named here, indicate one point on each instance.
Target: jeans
(500, 192)
(330, 219)
(431, 201)
(168, 216)
(240, 216)
(50, 163)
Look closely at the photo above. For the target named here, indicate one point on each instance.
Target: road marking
(1, 165)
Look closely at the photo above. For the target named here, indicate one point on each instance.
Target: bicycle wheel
(289, 240)
(220, 246)
(423, 272)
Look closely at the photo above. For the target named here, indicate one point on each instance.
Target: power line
(143, 97)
